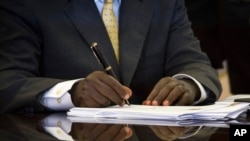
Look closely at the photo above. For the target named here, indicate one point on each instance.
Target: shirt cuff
(57, 97)
(202, 89)
(58, 126)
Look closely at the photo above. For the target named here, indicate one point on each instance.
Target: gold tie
(109, 20)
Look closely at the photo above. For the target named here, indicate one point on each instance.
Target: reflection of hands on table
(168, 133)
(99, 132)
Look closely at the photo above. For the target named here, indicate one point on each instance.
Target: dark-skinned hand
(169, 133)
(100, 132)
(99, 89)
(170, 91)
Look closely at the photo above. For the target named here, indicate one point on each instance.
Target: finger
(98, 130)
(108, 92)
(178, 130)
(165, 92)
(165, 131)
(96, 98)
(119, 92)
(156, 130)
(109, 133)
(85, 100)
(170, 132)
(100, 100)
(128, 131)
(128, 92)
(154, 92)
(98, 78)
(175, 94)
(185, 99)
(82, 131)
(125, 133)
(146, 102)
(162, 132)
(88, 102)
(79, 131)
(86, 95)
(90, 97)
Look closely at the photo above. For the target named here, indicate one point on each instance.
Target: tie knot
(108, 1)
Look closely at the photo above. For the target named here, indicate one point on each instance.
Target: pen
(102, 60)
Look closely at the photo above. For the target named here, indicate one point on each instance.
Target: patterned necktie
(109, 20)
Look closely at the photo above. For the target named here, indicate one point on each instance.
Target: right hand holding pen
(98, 89)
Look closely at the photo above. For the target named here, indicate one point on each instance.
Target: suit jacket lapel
(87, 20)
(134, 22)
(135, 16)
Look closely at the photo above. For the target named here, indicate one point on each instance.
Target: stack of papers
(210, 123)
(219, 111)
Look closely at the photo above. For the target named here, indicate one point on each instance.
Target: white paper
(217, 111)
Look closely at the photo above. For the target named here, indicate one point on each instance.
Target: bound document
(218, 111)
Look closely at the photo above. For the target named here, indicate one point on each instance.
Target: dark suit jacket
(204, 17)
(44, 42)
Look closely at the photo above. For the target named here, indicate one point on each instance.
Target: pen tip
(127, 102)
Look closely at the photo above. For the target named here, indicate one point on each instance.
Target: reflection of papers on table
(219, 111)
(233, 97)
(149, 122)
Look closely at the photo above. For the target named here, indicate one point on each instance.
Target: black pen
(102, 60)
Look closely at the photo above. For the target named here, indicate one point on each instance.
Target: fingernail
(165, 103)
(126, 96)
(128, 131)
(128, 90)
(155, 103)
(146, 102)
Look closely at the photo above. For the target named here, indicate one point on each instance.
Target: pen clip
(93, 48)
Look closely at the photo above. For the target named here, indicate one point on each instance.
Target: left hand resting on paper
(170, 91)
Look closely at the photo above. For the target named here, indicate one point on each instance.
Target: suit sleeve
(185, 55)
(20, 56)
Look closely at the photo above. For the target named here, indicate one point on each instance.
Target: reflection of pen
(102, 60)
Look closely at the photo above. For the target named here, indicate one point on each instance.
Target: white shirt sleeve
(57, 97)
(58, 126)
(202, 90)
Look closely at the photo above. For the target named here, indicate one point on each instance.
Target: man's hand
(98, 89)
(170, 91)
(169, 133)
(100, 132)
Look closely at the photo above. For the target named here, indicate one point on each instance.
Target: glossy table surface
(57, 126)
